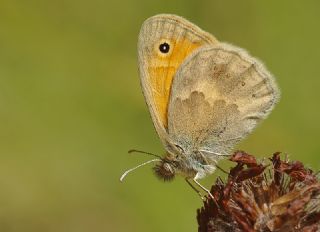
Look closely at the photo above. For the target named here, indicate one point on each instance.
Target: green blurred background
(71, 107)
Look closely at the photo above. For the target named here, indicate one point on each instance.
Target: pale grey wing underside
(218, 96)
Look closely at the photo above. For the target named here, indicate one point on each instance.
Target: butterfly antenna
(144, 152)
(140, 165)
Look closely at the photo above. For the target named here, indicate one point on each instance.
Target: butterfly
(204, 96)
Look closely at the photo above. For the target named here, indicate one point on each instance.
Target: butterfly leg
(207, 191)
(220, 168)
(195, 189)
(203, 188)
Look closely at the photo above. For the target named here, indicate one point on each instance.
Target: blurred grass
(71, 107)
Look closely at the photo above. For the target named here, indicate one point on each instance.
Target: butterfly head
(166, 169)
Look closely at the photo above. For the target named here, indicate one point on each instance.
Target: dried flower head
(279, 196)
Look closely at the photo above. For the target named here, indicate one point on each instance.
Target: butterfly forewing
(157, 69)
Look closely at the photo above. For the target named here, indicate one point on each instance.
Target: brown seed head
(282, 197)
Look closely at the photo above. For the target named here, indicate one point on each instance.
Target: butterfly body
(204, 96)
(188, 164)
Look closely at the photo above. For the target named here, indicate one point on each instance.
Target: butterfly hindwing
(218, 96)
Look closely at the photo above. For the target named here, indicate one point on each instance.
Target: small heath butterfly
(204, 96)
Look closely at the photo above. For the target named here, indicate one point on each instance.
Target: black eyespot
(164, 47)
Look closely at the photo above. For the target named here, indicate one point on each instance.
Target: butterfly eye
(164, 47)
(179, 148)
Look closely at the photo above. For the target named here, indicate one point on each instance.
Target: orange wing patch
(162, 70)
